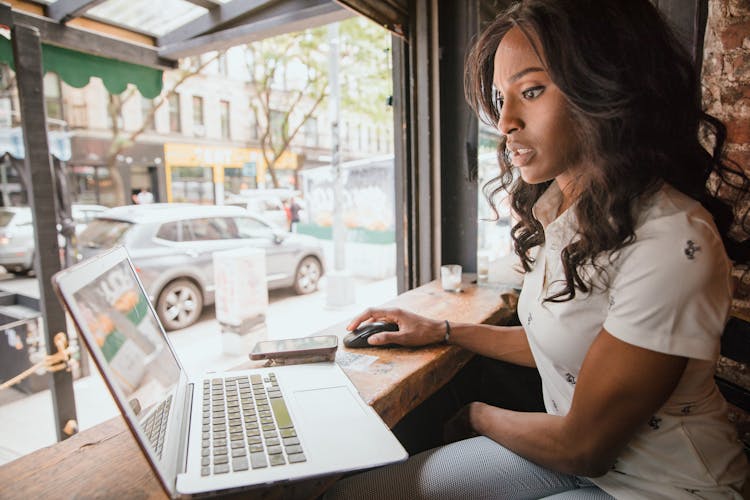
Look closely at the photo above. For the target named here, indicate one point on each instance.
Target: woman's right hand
(413, 330)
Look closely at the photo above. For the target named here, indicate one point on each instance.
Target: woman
(627, 284)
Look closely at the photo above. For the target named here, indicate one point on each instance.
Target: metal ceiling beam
(63, 11)
(393, 14)
(212, 20)
(85, 41)
(206, 4)
(291, 21)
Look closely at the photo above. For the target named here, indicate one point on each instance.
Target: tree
(288, 78)
(122, 139)
(289, 81)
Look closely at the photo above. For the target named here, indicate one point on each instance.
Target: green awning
(76, 69)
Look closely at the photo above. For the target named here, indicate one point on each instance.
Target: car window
(248, 227)
(211, 228)
(273, 204)
(82, 216)
(23, 217)
(171, 231)
(5, 217)
(103, 233)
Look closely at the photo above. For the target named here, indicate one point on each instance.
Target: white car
(172, 246)
(17, 246)
(271, 208)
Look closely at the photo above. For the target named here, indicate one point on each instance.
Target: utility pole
(340, 286)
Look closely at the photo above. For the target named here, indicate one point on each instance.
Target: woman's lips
(521, 157)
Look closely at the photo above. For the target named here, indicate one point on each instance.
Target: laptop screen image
(117, 314)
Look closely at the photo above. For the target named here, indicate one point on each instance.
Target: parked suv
(17, 244)
(172, 248)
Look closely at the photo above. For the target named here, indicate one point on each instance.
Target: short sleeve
(671, 289)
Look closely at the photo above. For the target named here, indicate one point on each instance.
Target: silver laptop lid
(121, 330)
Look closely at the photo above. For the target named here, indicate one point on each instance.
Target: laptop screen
(115, 311)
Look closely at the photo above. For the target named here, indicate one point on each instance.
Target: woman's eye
(499, 100)
(533, 92)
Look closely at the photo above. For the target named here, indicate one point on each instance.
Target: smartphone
(321, 347)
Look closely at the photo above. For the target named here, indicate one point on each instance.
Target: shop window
(192, 185)
(238, 179)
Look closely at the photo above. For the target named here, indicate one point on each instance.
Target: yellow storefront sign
(217, 158)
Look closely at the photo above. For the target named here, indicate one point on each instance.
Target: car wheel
(307, 276)
(180, 304)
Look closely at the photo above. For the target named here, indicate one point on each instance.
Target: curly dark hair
(635, 100)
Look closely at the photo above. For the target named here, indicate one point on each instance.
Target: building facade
(200, 144)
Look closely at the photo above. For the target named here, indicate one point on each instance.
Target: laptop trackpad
(326, 406)
(330, 406)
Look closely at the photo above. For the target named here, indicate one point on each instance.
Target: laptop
(223, 431)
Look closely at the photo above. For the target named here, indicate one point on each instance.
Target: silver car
(172, 248)
(17, 246)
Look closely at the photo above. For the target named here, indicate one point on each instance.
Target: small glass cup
(450, 277)
(483, 268)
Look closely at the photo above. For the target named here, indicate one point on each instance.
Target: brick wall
(726, 82)
(726, 95)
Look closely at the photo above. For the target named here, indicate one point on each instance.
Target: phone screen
(299, 344)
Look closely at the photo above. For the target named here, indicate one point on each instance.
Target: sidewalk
(27, 423)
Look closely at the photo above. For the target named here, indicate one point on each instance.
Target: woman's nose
(509, 120)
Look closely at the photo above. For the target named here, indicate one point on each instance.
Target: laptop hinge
(185, 438)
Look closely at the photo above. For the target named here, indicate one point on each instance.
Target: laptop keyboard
(155, 426)
(246, 425)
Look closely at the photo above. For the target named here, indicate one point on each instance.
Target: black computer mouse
(358, 337)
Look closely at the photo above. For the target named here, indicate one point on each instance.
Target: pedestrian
(294, 210)
(627, 282)
(145, 196)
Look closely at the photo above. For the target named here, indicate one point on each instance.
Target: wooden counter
(105, 461)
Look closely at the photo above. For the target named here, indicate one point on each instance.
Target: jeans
(476, 468)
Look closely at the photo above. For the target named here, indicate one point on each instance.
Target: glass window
(279, 126)
(494, 240)
(237, 180)
(211, 228)
(192, 185)
(222, 65)
(53, 96)
(249, 227)
(171, 231)
(85, 215)
(253, 126)
(198, 120)
(310, 131)
(224, 110)
(110, 123)
(6, 217)
(174, 113)
(147, 109)
(103, 233)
